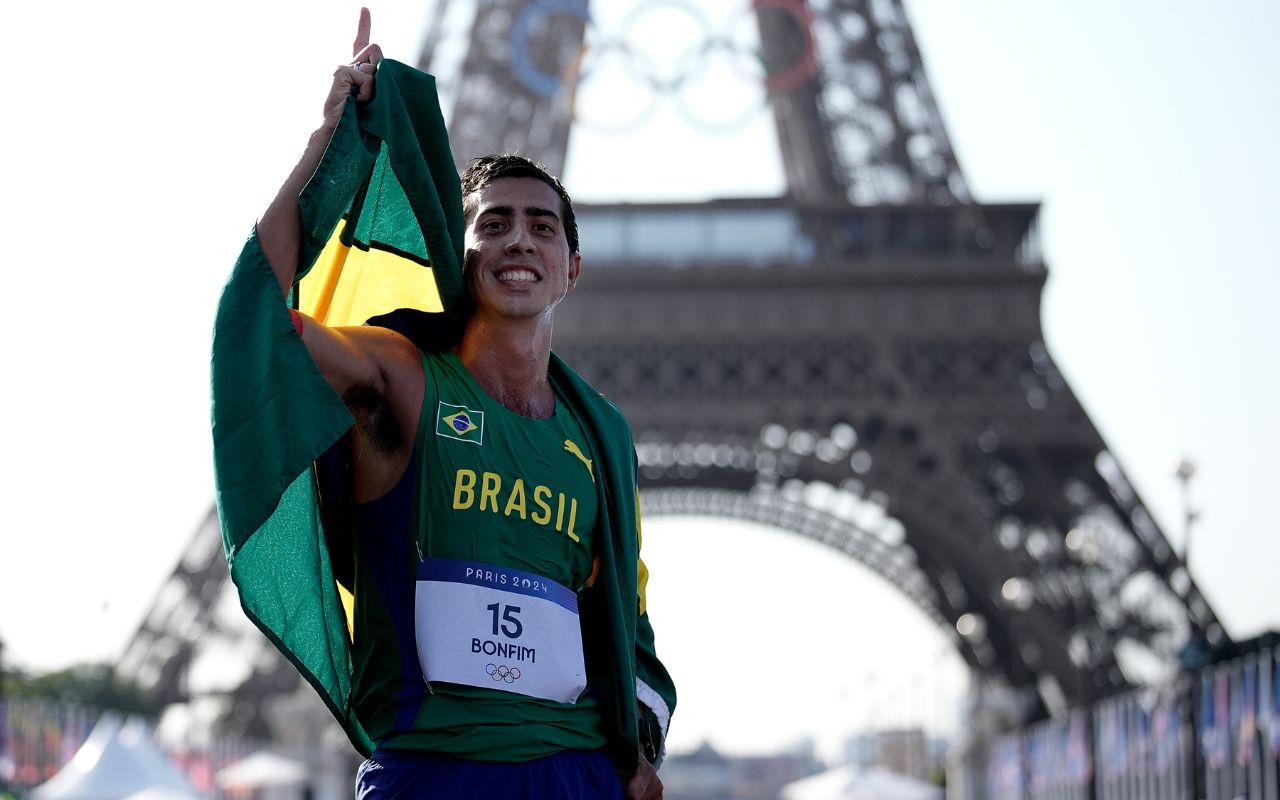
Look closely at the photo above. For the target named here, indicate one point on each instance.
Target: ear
(575, 266)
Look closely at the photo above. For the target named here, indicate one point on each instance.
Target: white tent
(851, 783)
(262, 769)
(163, 793)
(118, 760)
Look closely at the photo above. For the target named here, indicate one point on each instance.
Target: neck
(509, 358)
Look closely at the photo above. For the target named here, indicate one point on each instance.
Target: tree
(94, 685)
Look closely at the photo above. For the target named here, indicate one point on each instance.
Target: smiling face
(518, 262)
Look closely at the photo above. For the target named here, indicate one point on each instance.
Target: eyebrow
(529, 211)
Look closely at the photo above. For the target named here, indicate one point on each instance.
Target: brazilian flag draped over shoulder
(382, 230)
(383, 237)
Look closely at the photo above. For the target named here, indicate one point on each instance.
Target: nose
(520, 240)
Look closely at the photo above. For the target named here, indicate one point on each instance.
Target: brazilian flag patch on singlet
(460, 422)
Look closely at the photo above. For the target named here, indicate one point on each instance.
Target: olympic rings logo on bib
(503, 673)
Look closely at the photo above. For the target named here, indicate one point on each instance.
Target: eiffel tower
(870, 339)
(859, 361)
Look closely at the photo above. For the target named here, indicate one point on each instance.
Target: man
(479, 498)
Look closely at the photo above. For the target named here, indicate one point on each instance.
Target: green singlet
(496, 488)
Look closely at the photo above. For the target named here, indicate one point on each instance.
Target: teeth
(517, 275)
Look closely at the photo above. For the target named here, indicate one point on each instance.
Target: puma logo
(572, 447)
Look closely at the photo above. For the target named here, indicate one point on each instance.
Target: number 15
(512, 631)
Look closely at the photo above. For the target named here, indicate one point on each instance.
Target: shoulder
(397, 377)
(610, 413)
(386, 341)
(609, 425)
(396, 356)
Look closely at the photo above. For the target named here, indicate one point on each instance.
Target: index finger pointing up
(362, 33)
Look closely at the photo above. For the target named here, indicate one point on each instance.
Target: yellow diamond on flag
(460, 422)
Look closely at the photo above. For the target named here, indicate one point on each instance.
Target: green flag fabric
(382, 237)
(385, 198)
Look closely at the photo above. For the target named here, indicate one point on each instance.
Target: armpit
(374, 418)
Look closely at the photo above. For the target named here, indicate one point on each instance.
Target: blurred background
(943, 327)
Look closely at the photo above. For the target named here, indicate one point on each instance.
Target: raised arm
(280, 229)
(376, 371)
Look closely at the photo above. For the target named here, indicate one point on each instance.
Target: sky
(143, 139)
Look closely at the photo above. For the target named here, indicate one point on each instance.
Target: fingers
(362, 33)
(644, 784)
(362, 71)
(359, 80)
(355, 79)
(369, 54)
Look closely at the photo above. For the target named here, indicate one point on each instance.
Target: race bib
(498, 628)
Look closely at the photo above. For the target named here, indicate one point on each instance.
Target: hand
(355, 78)
(645, 783)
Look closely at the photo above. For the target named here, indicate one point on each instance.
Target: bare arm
(280, 229)
(347, 357)
(377, 372)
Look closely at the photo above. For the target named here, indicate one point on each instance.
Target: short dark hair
(485, 170)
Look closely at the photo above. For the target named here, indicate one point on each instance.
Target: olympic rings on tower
(694, 53)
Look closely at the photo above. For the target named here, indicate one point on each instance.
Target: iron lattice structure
(195, 644)
(876, 379)
(859, 362)
(855, 117)
(864, 126)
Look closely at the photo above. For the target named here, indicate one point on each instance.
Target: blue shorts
(405, 775)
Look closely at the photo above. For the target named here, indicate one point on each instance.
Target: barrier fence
(1213, 734)
(39, 736)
